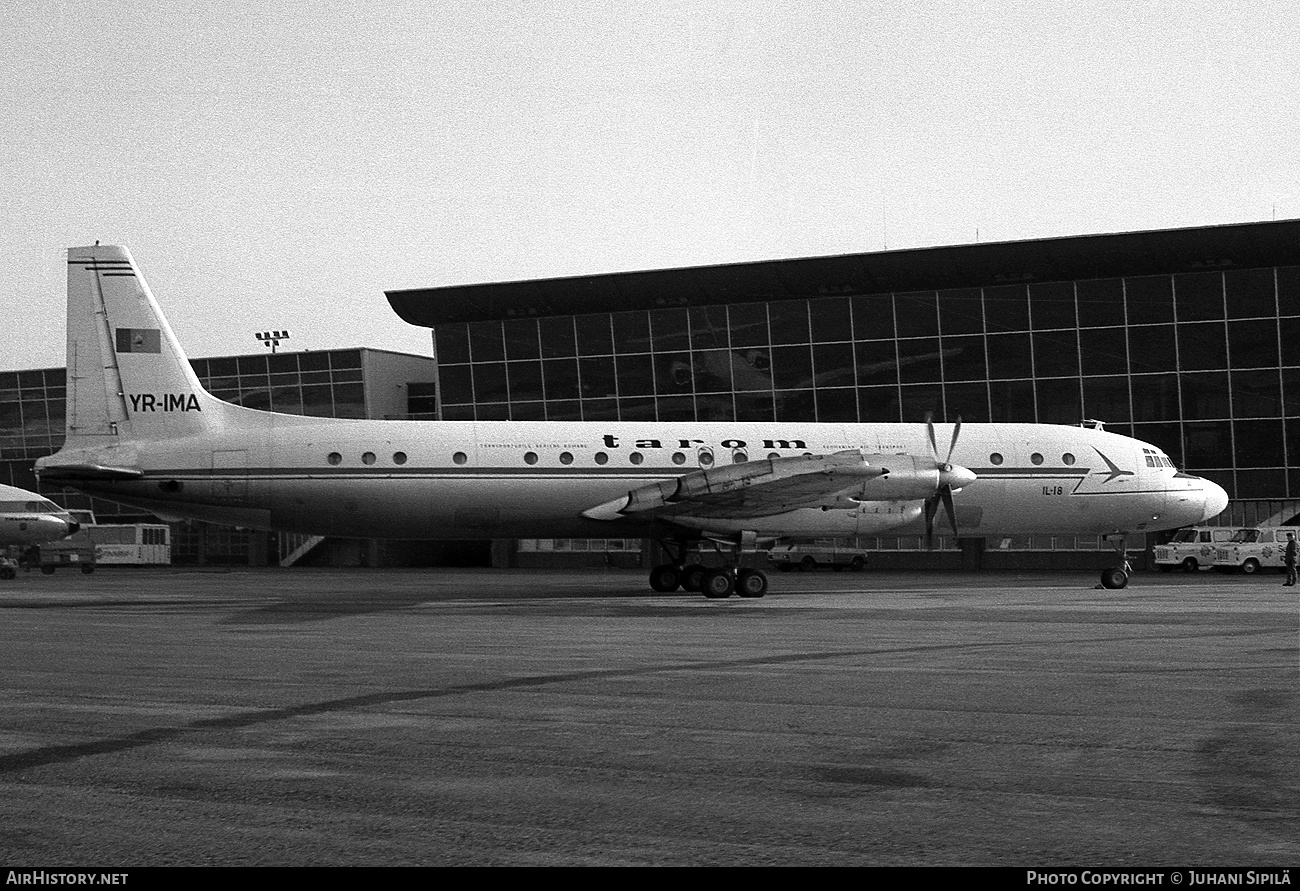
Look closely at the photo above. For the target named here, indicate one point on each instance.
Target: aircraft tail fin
(128, 378)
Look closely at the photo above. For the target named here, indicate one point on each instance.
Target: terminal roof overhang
(1154, 252)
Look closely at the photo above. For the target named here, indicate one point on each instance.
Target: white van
(1251, 550)
(1193, 548)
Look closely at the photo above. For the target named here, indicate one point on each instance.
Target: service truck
(808, 556)
(1251, 550)
(1193, 548)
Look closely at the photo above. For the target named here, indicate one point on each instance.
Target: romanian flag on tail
(139, 340)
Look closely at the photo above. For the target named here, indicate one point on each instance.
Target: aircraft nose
(1216, 500)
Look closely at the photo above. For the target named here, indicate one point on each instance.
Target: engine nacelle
(904, 478)
(908, 478)
(878, 517)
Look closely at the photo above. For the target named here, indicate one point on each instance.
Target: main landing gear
(716, 583)
(1116, 577)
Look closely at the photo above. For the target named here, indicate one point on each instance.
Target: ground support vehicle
(67, 554)
(1252, 550)
(1193, 548)
(808, 557)
(122, 544)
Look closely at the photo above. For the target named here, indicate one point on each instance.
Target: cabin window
(566, 458)
(1067, 459)
(773, 455)
(399, 457)
(334, 458)
(995, 459)
(1035, 459)
(739, 457)
(706, 457)
(636, 457)
(460, 457)
(530, 457)
(679, 458)
(602, 458)
(368, 458)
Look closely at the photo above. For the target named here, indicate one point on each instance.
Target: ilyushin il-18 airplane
(141, 430)
(28, 519)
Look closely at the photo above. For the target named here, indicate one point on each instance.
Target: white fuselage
(460, 480)
(142, 430)
(28, 519)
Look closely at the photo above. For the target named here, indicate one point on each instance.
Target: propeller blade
(934, 444)
(946, 494)
(931, 508)
(947, 475)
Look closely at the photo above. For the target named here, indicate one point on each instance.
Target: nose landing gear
(1116, 577)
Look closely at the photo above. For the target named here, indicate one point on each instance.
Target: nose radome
(1216, 500)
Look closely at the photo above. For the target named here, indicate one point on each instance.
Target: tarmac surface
(447, 717)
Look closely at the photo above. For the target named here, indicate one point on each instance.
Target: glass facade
(32, 421)
(1204, 364)
(324, 384)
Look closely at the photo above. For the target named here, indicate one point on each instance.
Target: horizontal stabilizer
(69, 473)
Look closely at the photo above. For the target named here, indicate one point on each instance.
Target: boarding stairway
(295, 545)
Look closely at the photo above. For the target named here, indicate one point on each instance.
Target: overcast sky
(281, 165)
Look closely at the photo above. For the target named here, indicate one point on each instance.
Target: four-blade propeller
(951, 478)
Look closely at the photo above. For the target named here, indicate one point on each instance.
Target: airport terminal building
(1187, 338)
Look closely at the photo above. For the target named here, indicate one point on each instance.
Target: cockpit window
(1157, 459)
(30, 507)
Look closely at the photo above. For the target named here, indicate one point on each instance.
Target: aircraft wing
(754, 489)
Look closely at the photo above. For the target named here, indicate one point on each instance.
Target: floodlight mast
(271, 338)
